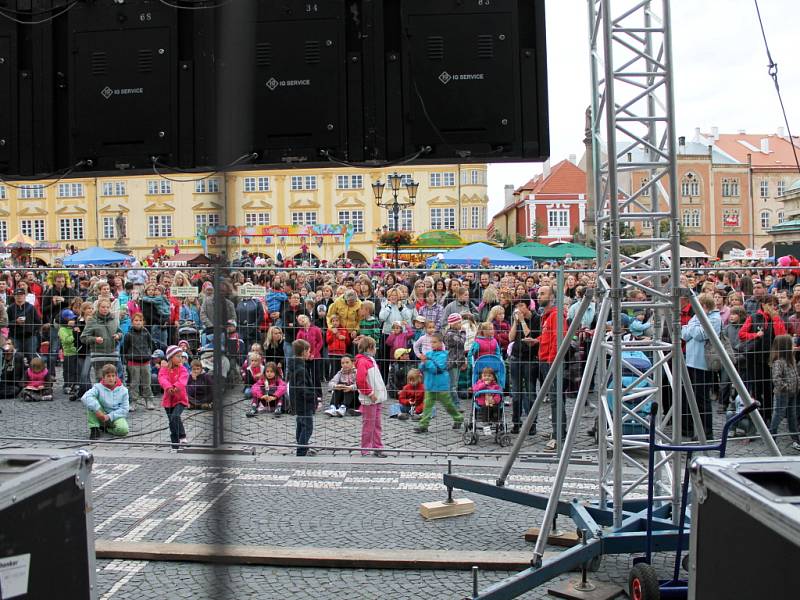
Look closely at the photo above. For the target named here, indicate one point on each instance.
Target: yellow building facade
(154, 211)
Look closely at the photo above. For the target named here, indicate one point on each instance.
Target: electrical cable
(196, 5)
(371, 165)
(772, 69)
(38, 178)
(66, 9)
(157, 163)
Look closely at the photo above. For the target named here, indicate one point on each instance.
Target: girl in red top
(173, 379)
(337, 338)
(412, 396)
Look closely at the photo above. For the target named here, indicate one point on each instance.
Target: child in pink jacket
(173, 379)
(372, 395)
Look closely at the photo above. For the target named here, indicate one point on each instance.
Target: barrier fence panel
(488, 337)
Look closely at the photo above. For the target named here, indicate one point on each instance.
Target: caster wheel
(505, 440)
(466, 434)
(473, 439)
(685, 563)
(643, 583)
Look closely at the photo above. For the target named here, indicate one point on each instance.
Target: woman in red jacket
(756, 334)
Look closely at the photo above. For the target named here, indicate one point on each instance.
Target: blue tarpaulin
(96, 256)
(471, 256)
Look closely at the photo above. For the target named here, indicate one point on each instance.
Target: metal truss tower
(636, 188)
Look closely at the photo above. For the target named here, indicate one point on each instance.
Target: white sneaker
(342, 411)
(331, 412)
(796, 446)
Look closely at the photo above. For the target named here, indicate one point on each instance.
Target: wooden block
(442, 510)
(565, 539)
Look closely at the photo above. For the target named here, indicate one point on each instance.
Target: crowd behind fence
(428, 360)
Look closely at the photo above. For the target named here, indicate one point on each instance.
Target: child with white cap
(173, 378)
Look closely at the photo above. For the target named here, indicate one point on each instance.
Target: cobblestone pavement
(264, 501)
(64, 420)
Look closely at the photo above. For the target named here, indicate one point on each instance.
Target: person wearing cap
(23, 324)
(398, 371)
(419, 327)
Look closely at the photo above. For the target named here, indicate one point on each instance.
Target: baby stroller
(484, 419)
(187, 330)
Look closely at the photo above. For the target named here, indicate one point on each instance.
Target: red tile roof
(739, 145)
(564, 178)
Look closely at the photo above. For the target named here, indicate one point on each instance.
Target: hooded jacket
(113, 402)
(369, 381)
(104, 326)
(138, 346)
(434, 369)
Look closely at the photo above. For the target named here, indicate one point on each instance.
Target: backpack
(713, 360)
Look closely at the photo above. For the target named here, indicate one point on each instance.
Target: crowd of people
(367, 342)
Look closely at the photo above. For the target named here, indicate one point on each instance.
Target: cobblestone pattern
(62, 419)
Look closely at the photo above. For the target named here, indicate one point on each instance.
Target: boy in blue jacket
(107, 405)
(437, 384)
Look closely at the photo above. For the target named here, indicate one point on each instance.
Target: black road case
(745, 540)
(46, 526)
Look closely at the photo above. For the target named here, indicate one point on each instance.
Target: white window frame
(730, 187)
(159, 226)
(435, 180)
(206, 220)
(690, 185)
(114, 188)
(342, 182)
(210, 185)
(558, 222)
(109, 228)
(781, 187)
(406, 178)
(476, 218)
(70, 190)
(464, 219)
(31, 191)
(254, 219)
(304, 217)
(71, 229)
(645, 190)
(764, 188)
(3, 231)
(33, 228)
(781, 217)
(354, 218)
(256, 184)
(475, 177)
(3, 193)
(159, 187)
(310, 182)
(405, 219)
(765, 218)
(296, 183)
(448, 179)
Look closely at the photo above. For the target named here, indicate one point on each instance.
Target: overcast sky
(720, 74)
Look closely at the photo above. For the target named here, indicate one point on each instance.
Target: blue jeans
(159, 335)
(523, 375)
(785, 405)
(176, 430)
(305, 427)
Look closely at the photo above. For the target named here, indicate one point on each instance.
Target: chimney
(715, 133)
(765, 145)
(573, 158)
(697, 134)
(682, 144)
(546, 169)
(509, 197)
(781, 132)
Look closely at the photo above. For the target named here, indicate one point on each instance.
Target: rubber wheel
(643, 583)
(505, 440)
(466, 434)
(473, 439)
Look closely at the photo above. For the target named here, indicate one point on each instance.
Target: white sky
(720, 74)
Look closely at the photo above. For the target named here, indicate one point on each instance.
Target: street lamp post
(395, 182)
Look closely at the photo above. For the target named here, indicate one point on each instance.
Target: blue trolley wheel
(643, 583)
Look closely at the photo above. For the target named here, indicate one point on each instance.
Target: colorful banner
(280, 231)
(749, 253)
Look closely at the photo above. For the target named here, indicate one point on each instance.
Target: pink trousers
(371, 427)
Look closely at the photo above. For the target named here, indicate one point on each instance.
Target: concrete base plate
(600, 591)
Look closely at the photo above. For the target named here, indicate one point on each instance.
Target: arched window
(765, 218)
(690, 185)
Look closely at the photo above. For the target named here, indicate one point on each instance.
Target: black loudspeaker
(122, 83)
(472, 77)
(301, 97)
(9, 148)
